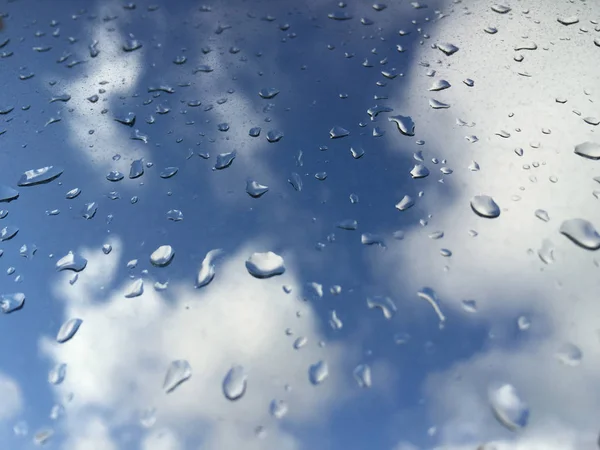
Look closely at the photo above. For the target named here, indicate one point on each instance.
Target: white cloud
(12, 401)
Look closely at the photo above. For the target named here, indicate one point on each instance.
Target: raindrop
(135, 289)
(162, 256)
(542, 215)
(508, 408)
(436, 104)
(73, 193)
(527, 45)
(300, 342)
(469, 306)
(362, 375)
(334, 321)
(72, 262)
(207, 268)
(582, 233)
(385, 304)
(11, 302)
(419, 171)
(406, 202)
(57, 374)
(371, 239)
(8, 232)
(439, 85)
(405, 124)
(128, 119)
(591, 120)
(39, 176)
(339, 15)
(278, 408)
(523, 323)
(7, 193)
(115, 175)
(254, 132)
(274, 136)
(168, 172)
(268, 93)
(175, 215)
(348, 224)
(318, 372)
(224, 160)
(430, 296)
(571, 20)
(589, 150)
(546, 253)
(569, 354)
(235, 383)
(131, 45)
(485, 206)
(490, 30)
(178, 372)
(338, 132)
(68, 330)
(137, 169)
(89, 210)
(357, 152)
(447, 48)
(43, 436)
(265, 265)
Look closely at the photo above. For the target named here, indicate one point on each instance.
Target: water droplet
(569, 354)
(57, 374)
(137, 169)
(295, 181)
(439, 85)
(542, 215)
(89, 210)
(339, 15)
(338, 132)
(162, 256)
(178, 372)
(362, 375)
(589, 150)
(7, 193)
(469, 306)
(406, 202)
(255, 189)
(490, 30)
(73, 193)
(168, 172)
(385, 304)
(147, 417)
(131, 45)
(175, 215)
(447, 48)
(591, 120)
(571, 20)
(419, 171)
(430, 297)
(128, 119)
(501, 9)
(11, 302)
(235, 383)
(348, 224)
(527, 45)
(224, 160)
(374, 111)
(508, 408)
(8, 232)
(436, 104)
(21, 429)
(254, 132)
(485, 206)
(71, 261)
(265, 265)
(39, 176)
(68, 330)
(372, 239)
(405, 124)
(278, 408)
(523, 323)
(135, 289)
(318, 372)
(334, 321)
(274, 136)
(207, 268)
(357, 152)
(115, 175)
(582, 233)
(43, 436)
(268, 93)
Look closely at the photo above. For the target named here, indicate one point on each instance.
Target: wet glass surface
(300, 225)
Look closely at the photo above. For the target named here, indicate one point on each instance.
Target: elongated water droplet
(89, 210)
(168, 172)
(334, 321)
(542, 215)
(39, 176)
(439, 85)
(178, 372)
(485, 206)
(57, 374)
(348, 224)
(338, 132)
(268, 93)
(235, 383)
(68, 330)
(71, 261)
(73, 193)
(175, 215)
(131, 45)
(385, 304)
(162, 256)
(265, 265)
(300, 342)
(11, 302)
(508, 408)
(501, 9)
(41, 437)
(570, 20)
(581, 232)
(430, 296)
(207, 269)
(137, 169)
(569, 354)
(589, 150)
(8, 232)
(7, 193)
(406, 202)
(362, 375)
(318, 372)
(224, 160)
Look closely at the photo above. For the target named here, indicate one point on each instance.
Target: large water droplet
(71, 261)
(178, 372)
(582, 233)
(508, 408)
(406, 202)
(135, 289)
(318, 372)
(39, 176)
(570, 20)
(439, 85)
(485, 206)
(265, 265)
(11, 302)
(338, 132)
(8, 232)
(447, 48)
(7, 193)
(68, 330)
(137, 169)
(436, 104)
(224, 160)
(589, 150)
(168, 172)
(162, 256)
(255, 189)
(405, 124)
(235, 383)
(207, 268)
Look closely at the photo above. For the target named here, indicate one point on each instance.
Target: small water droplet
(168, 172)
(11, 302)
(542, 215)
(265, 265)
(224, 160)
(278, 408)
(71, 261)
(447, 48)
(268, 93)
(362, 375)
(318, 372)
(57, 374)
(338, 132)
(137, 169)
(419, 171)
(523, 323)
(43, 436)
(570, 20)
(135, 289)
(385, 304)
